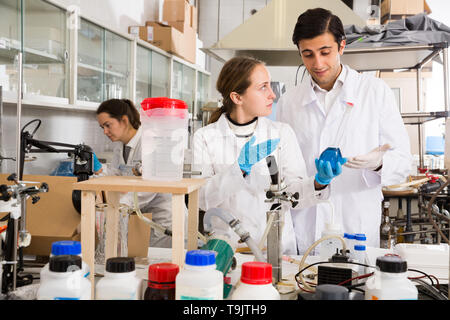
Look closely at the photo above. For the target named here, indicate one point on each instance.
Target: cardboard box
(145, 33)
(53, 218)
(177, 10)
(389, 8)
(173, 41)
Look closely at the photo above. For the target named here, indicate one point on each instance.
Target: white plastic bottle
(350, 242)
(360, 239)
(360, 257)
(390, 281)
(329, 247)
(120, 281)
(60, 248)
(256, 283)
(64, 280)
(199, 279)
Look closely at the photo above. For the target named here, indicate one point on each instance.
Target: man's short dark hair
(315, 22)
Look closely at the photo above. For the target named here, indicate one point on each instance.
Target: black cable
(425, 274)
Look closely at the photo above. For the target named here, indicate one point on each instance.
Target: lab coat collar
(134, 141)
(347, 96)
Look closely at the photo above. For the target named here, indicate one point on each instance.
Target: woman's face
(257, 100)
(112, 128)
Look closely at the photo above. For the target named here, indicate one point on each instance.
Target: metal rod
(445, 66)
(419, 104)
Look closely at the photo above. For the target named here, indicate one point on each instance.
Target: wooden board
(137, 184)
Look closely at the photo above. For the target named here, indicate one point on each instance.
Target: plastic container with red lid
(256, 283)
(164, 138)
(161, 281)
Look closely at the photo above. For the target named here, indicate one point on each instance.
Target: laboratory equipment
(387, 230)
(164, 138)
(120, 281)
(329, 246)
(256, 283)
(161, 281)
(333, 155)
(390, 281)
(66, 247)
(199, 279)
(65, 280)
(277, 194)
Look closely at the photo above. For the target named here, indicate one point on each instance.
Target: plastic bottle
(64, 280)
(390, 281)
(161, 281)
(60, 248)
(328, 247)
(387, 231)
(256, 283)
(360, 256)
(360, 239)
(120, 281)
(350, 243)
(199, 279)
(164, 138)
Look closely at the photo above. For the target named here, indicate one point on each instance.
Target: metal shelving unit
(407, 57)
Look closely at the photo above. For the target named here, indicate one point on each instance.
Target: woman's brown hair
(234, 77)
(117, 108)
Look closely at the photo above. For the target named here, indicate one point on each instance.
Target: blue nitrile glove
(97, 164)
(325, 173)
(251, 154)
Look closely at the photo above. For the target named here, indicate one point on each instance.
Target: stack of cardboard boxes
(391, 10)
(176, 33)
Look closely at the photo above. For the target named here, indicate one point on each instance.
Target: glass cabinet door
(117, 67)
(45, 48)
(10, 44)
(90, 62)
(160, 76)
(202, 93)
(143, 74)
(183, 84)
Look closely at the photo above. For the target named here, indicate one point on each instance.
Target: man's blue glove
(97, 164)
(251, 154)
(325, 172)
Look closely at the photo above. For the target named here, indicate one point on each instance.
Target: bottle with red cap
(161, 281)
(256, 283)
(164, 138)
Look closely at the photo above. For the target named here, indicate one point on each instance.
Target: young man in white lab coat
(334, 105)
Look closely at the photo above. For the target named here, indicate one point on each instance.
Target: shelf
(100, 70)
(10, 48)
(417, 118)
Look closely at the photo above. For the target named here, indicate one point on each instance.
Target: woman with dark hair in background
(229, 151)
(121, 123)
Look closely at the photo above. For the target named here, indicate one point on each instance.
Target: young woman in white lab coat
(334, 105)
(247, 99)
(121, 123)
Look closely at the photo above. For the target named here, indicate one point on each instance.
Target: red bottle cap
(256, 272)
(163, 102)
(162, 272)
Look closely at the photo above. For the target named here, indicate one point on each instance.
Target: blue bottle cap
(360, 248)
(360, 236)
(66, 248)
(200, 257)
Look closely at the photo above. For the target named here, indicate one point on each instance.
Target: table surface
(137, 184)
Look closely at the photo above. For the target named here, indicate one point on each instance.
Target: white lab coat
(159, 204)
(374, 120)
(215, 153)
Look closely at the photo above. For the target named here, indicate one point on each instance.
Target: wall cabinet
(74, 63)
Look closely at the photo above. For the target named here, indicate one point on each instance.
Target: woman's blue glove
(325, 172)
(97, 164)
(251, 154)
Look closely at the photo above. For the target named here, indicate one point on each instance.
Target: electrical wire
(432, 290)
(355, 278)
(425, 275)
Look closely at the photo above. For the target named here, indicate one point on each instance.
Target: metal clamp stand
(277, 193)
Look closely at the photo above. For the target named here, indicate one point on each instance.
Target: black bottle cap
(120, 264)
(331, 292)
(392, 264)
(65, 263)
